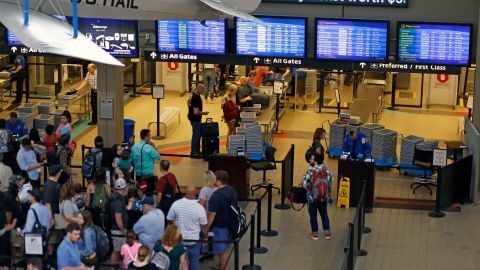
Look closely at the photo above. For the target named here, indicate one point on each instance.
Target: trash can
(129, 132)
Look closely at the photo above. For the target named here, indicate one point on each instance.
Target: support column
(110, 84)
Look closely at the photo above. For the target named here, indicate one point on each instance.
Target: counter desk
(357, 171)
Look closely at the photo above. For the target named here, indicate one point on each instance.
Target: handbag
(298, 195)
(60, 221)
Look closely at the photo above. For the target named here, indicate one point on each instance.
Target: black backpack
(169, 196)
(237, 223)
(89, 164)
(103, 244)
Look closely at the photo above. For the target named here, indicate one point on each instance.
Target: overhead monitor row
(335, 39)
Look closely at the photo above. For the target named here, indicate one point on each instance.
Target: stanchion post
(269, 232)
(259, 249)
(438, 211)
(236, 254)
(251, 265)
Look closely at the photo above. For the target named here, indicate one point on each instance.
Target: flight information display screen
(351, 40)
(200, 37)
(12, 40)
(117, 37)
(431, 43)
(280, 37)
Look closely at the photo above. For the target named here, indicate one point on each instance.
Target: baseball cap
(120, 184)
(36, 193)
(54, 169)
(148, 200)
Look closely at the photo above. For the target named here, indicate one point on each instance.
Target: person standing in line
(191, 219)
(144, 154)
(65, 126)
(209, 79)
(18, 73)
(119, 219)
(51, 199)
(91, 79)
(5, 175)
(300, 75)
(314, 181)
(171, 245)
(143, 260)
(317, 146)
(164, 200)
(219, 215)
(195, 112)
(130, 249)
(27, 161)
(207, 191)
(68, 254)
(150, 226)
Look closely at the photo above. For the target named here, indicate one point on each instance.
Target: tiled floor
(401, 239)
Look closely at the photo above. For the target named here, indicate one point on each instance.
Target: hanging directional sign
(371, 3)
(411, 68)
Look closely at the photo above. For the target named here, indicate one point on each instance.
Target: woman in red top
(262, 72)
(50, 141)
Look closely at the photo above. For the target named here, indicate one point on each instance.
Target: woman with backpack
(230, 109)
(143, 260)
(68, 209)
(173, 247)
(98, 191)
(64, 158)
(87, 244)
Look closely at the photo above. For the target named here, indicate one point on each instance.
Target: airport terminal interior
(402, 74)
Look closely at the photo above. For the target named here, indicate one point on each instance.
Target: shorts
(118, 240)
(16, 240)
(55, 237)
(221, 234)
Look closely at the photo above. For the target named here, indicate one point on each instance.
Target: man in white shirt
(190, 218)
(91, 79)
(5, 174)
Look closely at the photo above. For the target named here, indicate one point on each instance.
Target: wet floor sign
(344, 193)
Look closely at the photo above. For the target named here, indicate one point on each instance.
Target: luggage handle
(209, 120)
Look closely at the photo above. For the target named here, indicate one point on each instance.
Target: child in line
(129, 251)
(124, 164)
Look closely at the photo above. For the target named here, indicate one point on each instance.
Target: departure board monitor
(199, 37)
(117, 37)
(434, 43)
(12, 40)
(280, 37)
(352, 40)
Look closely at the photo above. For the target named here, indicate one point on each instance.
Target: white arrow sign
(363, 65)
(153, 55)
(256, 60)
(14, 49)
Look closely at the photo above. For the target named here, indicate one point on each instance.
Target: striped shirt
(188, 215)
(92, 80)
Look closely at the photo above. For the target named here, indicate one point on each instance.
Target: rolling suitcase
(210, 145)
(210, 128)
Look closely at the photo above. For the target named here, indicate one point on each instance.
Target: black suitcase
(210, 145)
(210, 128)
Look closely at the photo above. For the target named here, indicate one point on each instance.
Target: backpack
(237, 223)
(100, 196)
(229, 111)
(319, 187)
(161, 260)
(103, 244)
(89, 165)
(169, 196)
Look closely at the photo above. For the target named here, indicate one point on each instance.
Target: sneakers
(328, 236)
(314, 235)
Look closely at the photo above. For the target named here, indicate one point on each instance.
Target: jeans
(196, 134)
(93, 103)
(194, 256)
(209, 78)
(321, 207)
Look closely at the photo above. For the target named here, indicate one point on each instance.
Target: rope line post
(236, 254)
(259, 249)
(269, 232)
(252, 265)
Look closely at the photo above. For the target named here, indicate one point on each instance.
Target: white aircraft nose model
(33, 25)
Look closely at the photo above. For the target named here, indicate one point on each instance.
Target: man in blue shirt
(68, 254)
(144, 154)
(42, 212)
(17, 73)
(27, 161)
(150, 226)
(357, 145)
(16, 126)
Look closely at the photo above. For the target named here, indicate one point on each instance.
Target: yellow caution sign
(344, 193)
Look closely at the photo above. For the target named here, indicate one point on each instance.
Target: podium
(238, 169)
(357, 171)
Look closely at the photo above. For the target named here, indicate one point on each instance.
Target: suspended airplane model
(34, 26)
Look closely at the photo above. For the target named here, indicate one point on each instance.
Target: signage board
(411, 68)
(371, 3)
(201, 37)
(351, 40)
(434, 43)
(280, 37)
(158, 91)
(440, 157)
(15, 46)
(117, 37)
